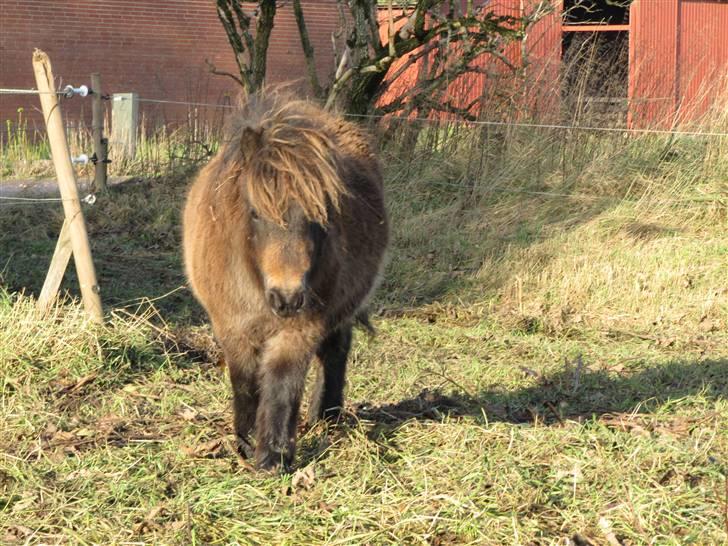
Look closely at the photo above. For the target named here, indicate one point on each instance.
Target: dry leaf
(80, 383)
(16, 532)
(148, 522)
(606, 526)
(303, 478)
(211, 449)
(188, 414)
(176, 525)
(84, 433)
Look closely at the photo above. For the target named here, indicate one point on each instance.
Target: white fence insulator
(69, 91)
(89, 199)
(80, 160)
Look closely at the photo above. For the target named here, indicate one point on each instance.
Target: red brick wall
(156, 48)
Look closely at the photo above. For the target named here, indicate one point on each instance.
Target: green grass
(551, 365)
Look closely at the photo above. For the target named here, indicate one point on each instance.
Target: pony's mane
(282, 152)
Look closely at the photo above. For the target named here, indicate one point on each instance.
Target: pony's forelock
(285, 157)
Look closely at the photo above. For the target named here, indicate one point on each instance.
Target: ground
(550, 367)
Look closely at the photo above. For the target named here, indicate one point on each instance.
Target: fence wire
(13, 200)
(207, 104)
(631, 130)
(592, 128)
(547, 126)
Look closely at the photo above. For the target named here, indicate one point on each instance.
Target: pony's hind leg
(327, 400)
(282, 378)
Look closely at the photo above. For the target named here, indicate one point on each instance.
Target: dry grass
(551, 366)
(160, 149)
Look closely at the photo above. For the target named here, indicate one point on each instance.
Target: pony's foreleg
(281, 378)
(327, 400)
(244, 382)
(241, 364)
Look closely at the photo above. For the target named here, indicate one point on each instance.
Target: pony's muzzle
(286, 303)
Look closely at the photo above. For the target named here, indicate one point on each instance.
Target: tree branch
(307, 48)
(214, 70)
(235, 36)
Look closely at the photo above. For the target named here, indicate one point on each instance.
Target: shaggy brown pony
(284, 235)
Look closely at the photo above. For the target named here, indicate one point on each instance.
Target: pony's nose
(285, 303)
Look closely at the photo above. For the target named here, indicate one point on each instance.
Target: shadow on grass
(135, 242)
(628, 402)
(571, 394)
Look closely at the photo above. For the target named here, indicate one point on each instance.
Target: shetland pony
(284, 236)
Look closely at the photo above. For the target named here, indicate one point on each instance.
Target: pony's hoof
(274, 461)
(332, 416)
(244, 448)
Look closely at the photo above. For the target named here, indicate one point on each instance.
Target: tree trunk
(362, 92)
(263, 29)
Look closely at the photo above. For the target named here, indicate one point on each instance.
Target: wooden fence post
(100, 143)
(59, 263)
(67, 184)
(124, 122)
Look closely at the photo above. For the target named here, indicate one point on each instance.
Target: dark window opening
(608, 12)
(596, 74)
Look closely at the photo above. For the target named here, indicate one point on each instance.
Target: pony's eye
(254, 214)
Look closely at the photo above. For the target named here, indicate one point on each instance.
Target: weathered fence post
(124, 121)
(74, 224)
(100, 143)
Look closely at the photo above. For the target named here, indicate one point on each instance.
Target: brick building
(156, 48)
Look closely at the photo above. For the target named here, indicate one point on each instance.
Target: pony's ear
(250, 142)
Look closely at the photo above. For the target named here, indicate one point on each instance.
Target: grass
(19, 153)
(25, 151)
(551, 365)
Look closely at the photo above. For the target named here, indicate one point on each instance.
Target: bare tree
(447, 35)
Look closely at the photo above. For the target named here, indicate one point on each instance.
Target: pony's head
(291, 189)
(285, 256)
